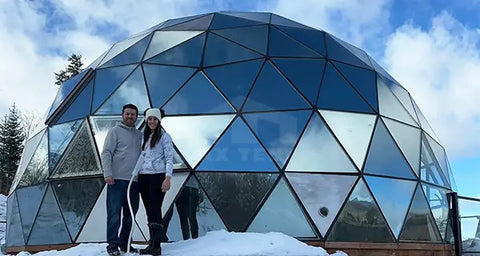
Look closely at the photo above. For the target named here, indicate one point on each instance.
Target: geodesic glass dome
(277, 127)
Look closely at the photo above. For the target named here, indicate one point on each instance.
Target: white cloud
(440, 68)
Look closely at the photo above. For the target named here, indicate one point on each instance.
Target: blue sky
(431, 47)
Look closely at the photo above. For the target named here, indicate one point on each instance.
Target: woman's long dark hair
(157, 133)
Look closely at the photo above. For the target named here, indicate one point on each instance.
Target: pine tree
(11, 147)
(74, 67)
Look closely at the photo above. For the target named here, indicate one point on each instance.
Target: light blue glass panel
(430, 170)
(164, 40)
(281, 44)
(188, 53)
(37, 170)
(390, 106)
(131, 55)
(279, 20)
(437, 199)
(404, 97)
(29, 199)
(424, 123)
(59, 136)
(440, 155)
(14, 232)
(226, 21)
(80, 107)
(220, 51)
(254, 37)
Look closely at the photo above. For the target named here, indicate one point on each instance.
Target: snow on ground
(3, 218)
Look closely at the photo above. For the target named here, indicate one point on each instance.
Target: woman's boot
(154, 246)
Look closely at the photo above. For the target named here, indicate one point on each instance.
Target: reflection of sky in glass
(176, 183)
(320, 190)
(100, 127)
(37, 169)
(390, 106)
(29, 199)
(319, 151)
(437, 199)
(14, 236)
(163, 40)
(469, 211)
(59, 137)
(193, 135)
(120, 47)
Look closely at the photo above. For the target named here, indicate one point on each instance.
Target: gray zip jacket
(120, 151)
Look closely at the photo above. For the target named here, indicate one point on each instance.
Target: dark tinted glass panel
(14, 235)
(132, 91)
(336, 93)
(254, 37)
(37, 169)
(192, 215)
(419, 225)
(237, 150)
(257, 16)
(196, 24)
(408, 139)
(384, 157)
(49, 227)
(220, 51)
(278, 131)
(430, 170)
(235, 80)
(393, 196)
(236, 196)
(131, 55)
(80, 107)
(314, 39)
(59, 136)
(363, 80)
(163, 81)
(318, 151)
(226, 21)
(188, 53)
(305, 74)
(437, 199)
(76, 198)
(360, 220)
(172, 22)
(272, 92)
(194, 135)
(380, 70)
(106, 81)
(279, 20)
(29, 200)
(65, 89)
(338, 52)
(163, 40)
(390, 106)
(80, 158)
(197, 96)
(312, 190)
(281, 213)
(359, 53)
(281, 44)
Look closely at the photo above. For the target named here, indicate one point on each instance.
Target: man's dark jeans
(116, 204)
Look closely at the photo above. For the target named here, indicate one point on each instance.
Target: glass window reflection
(430, 170)
(80, 107)
(256, 39)
(37, 169)
(281, 45)
(59, 137)
(188, 53)
(220, 51)
(14, 234)
(163, 40)
(314, 39)
(106, 81)
(134, 53)
(29, 199)
(437, 199)
(469, 210)
(338, 52)
(390, 106)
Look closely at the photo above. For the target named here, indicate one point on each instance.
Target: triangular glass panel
(279, 20)
(338, 51)
(80, 158)
(37, 169)
(312, 38)
(95, 63)
(451, 178)
(192, 214)
(235, 80)
(163, 81)
(256, 40)
(419, 224)
(305, 74)
(132, 90)
(226, 21)
(131, 55)
(237, 150)
(194, 135)
(101, 125)
(281, 213)
(178, 162)
(363, 80)
(49, 227)
(282, 45)
(360, 219)
(59, 137)
(220, 51)
(384, 157)
(353, 130)
(336, 93)
(198, 96)
(393, 196)
(256, 16)
(164, 40)
(272, 92)
(437, 199)
(76, 199)
(236, 196)
(404, 97)
(312, 190)
(173, 22)
(440, 155)
(29, 203)
(14, 232)
(319, 151)
(408, 140)
(424, 123)
(106, 81)
(389, 105)
(380, 70)
(132, 50)
(201, 23)
(188, 53)
(430, 170)
(80, 107)
(65, 89)
(278, 131)
(95, 226)
(359, 53)
(177, 180)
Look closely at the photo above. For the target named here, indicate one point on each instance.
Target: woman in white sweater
(155, 171)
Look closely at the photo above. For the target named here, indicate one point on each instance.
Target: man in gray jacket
(119, 156)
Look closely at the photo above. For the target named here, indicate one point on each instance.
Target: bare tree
(30, 121)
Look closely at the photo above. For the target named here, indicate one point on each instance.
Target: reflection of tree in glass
(37, 170)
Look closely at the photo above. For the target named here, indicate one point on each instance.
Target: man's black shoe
(113, 252)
